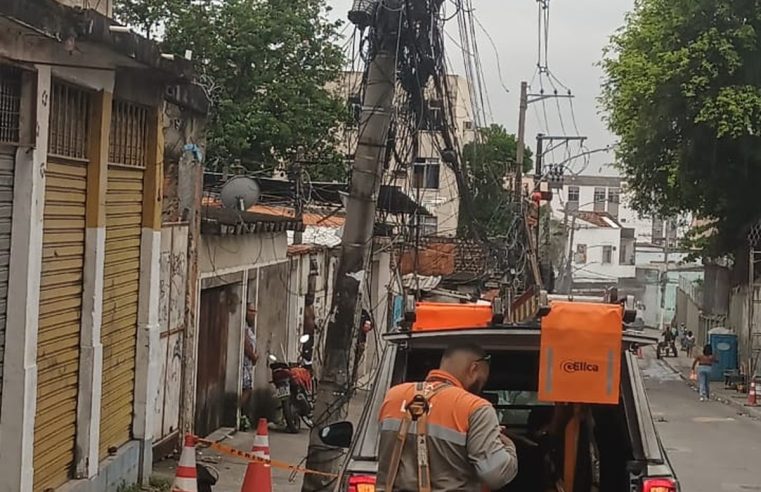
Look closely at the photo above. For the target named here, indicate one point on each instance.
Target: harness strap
(416, 411)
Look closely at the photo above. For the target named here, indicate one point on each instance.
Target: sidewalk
(290, 448)
(682, 365)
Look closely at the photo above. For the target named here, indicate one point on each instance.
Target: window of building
(573, 193)
(355, 109)
(614, 196)
(10, 107)
(429, 226)
(468, 125)
(581, 254)
(434, 115)
(657, 231)
(607, 255)
(599, 200)
(426, 174)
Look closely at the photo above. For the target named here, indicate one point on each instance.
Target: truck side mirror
(338, 435)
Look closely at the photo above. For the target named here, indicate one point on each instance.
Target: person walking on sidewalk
(689, 343)
(703, 363)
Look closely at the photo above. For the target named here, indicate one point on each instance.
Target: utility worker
(438, 435)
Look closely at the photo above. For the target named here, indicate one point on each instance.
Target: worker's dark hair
(708, 350)
(464, 347)
(689, 333)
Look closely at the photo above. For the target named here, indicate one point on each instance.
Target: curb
(751, 412)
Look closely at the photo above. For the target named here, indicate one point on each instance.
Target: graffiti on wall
(172, 322)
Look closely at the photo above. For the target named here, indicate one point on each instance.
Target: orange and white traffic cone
(259, 475)
(752, 402)
(186, 478)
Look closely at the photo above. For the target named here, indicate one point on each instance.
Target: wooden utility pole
(334, 388)
(519, 151)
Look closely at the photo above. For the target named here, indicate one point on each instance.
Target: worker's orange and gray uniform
(460, 435)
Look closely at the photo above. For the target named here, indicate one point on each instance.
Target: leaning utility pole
(334, 388)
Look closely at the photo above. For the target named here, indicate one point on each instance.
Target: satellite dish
(240, 193)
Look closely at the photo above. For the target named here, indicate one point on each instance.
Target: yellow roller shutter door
(63, 248)
(124, 208)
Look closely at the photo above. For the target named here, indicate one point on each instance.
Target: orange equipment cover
(445, 316)
(580, 359)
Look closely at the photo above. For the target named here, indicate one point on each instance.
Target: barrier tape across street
(230, 451)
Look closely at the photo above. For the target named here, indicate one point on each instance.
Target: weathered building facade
(81, 166)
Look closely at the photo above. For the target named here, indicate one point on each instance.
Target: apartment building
(424, 177)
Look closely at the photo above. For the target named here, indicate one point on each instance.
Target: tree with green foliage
(488, 161)
(683, 93)
(265, 66)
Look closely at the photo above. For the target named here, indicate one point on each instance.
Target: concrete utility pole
(333, 390)
(665, 279)
(519, 151)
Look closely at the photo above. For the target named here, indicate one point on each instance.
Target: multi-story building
(424, 176)
(608, 194)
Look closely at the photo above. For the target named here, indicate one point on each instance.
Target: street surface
(712, 446)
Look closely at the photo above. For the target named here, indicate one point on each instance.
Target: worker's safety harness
(416, 411)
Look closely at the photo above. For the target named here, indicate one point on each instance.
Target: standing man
(457, 442)
(365, 327)
(249, 361)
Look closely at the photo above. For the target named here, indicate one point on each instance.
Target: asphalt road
(712, 446)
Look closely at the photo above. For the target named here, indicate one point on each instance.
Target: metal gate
(10, 108)
(121, 282)
(212, 360)
(63, 250)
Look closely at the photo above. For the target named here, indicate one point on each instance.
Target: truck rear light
(361, 483)
(658, 485)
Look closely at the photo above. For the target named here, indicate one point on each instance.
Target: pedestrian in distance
(465, 448)
(703, 364)
(689, 343)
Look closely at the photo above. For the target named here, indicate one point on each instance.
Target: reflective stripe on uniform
(434, 430)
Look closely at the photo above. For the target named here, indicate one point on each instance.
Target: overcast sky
(579, 30)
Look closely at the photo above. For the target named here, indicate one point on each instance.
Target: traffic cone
(259, 475)
(186, 478)
(751, 395)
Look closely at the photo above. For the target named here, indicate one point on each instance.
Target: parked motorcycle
(295, 389)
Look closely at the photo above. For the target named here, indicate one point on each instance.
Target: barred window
(10, 104)
(128, 142)
(69, 121)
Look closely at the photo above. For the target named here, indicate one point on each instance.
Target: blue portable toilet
(724, 347)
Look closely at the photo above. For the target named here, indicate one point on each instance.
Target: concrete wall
(716, 287)
(738, 319)
(221, 255)
(688, 312)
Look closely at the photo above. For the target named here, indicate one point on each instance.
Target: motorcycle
(295, 389)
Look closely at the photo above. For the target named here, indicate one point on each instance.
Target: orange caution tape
(230, 451)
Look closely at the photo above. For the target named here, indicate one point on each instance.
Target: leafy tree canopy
(683, 93)
(265, 66)
(488, 161)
